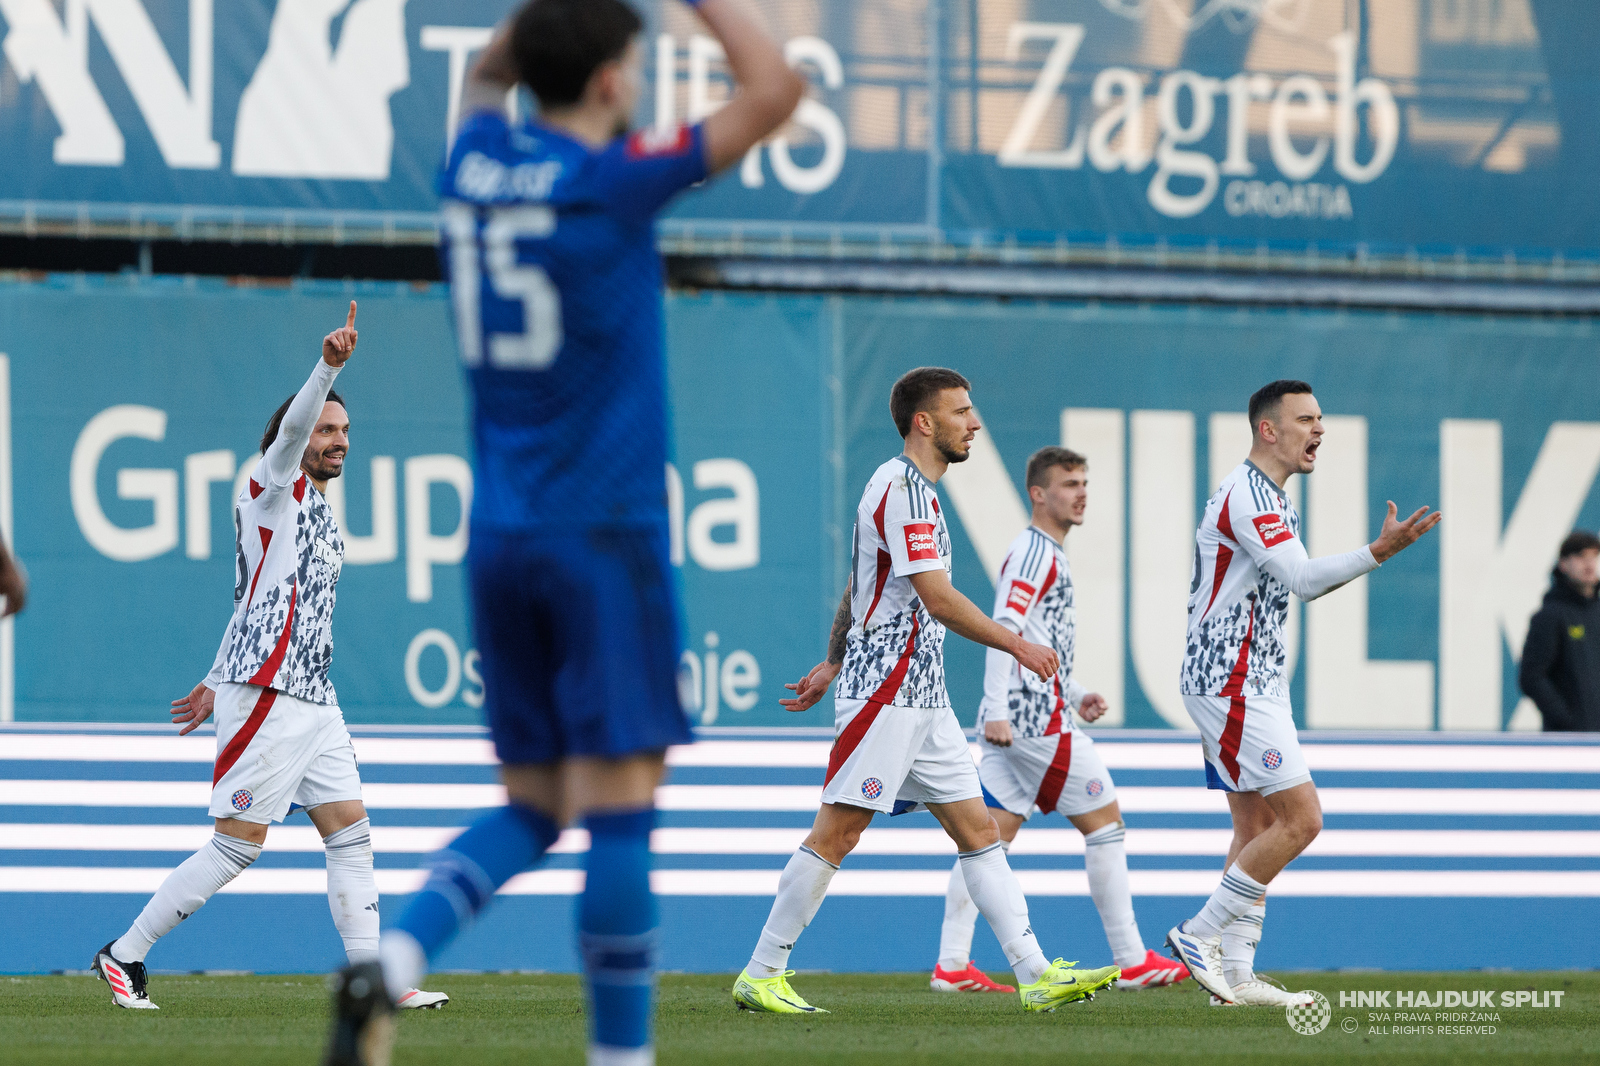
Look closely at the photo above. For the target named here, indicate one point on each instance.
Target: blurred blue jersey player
(556, 289)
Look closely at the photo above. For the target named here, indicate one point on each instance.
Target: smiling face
(953, 423)
(330, 441)
(1294, 432)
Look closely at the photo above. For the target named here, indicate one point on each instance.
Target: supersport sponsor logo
(1273, 529)
(1020, 598)
(920, 542)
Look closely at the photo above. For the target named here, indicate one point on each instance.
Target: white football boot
(417, 999)
(1203, 956)
(1261, 991)
(127, 980)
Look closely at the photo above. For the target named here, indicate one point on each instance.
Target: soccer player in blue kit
(556, 289)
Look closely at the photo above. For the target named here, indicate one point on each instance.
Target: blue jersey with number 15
(549, 247)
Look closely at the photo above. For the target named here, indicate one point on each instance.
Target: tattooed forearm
(841, 629)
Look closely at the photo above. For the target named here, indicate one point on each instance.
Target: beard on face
(952, 447)
(320, 469)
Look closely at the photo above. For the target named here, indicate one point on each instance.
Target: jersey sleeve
(636, 175)
(910, 529)
(1024, 577)
(1261, 527)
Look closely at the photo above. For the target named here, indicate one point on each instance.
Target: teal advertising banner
(1407, 127)
(133, 406)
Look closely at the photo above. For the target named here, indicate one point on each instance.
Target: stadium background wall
(133, 403)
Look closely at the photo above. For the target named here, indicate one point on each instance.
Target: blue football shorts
(579, 634)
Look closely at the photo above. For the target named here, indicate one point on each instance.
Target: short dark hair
(276, 420)
(559, 44)
(1578, 542)
(915, 388)
(1042, 461)
(1266, 400)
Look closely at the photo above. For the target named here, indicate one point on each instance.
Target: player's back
(556, 288)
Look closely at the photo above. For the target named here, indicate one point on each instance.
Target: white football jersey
(1034, 597)
(288, 554)
(1238, 611)
(895, 651)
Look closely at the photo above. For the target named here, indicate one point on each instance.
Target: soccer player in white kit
(897, 743)
(281, 739)
(1248, 560)
(1033, 757)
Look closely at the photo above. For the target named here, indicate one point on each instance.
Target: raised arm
(1309, 578)
(962, 617)
(294, 432)
(767, 90)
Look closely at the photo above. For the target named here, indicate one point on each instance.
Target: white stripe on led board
(1118, 755)
(419, 840)
(1171, 800)
(897, 883)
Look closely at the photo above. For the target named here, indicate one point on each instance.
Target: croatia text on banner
(1431, 125)
(1423, 837)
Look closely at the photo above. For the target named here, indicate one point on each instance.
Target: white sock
(403, 960)
(960, 916)
(353, 890)
(601, 1055)
(1239, 942)
(185, 891)
(800, 891)
(995, 890)
(1236, 894)
(1105, 859)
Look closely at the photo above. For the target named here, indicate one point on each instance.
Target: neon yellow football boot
(770, 994)
(1062, 984)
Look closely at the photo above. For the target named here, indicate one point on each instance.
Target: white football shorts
(882, 754)
(1061, 772)
(1249, 743)
(274, 750)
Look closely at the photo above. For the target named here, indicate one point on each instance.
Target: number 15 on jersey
(487, 269)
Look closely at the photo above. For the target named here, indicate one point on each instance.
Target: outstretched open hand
(811, 688)
(340, 345)
(1397, 536)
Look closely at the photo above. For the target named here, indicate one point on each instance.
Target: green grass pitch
(538, 1019)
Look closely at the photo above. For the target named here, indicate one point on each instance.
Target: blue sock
(467, 873)
(617, 929)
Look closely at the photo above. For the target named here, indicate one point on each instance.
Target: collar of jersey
(1271, 484)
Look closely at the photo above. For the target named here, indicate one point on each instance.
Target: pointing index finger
(350, 321)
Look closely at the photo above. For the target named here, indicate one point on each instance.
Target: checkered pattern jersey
(1033, 597)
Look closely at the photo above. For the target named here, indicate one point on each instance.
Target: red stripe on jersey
(1224, 554)
(266, 539)
(1233, 732)
(885, 564)
(1055, 715)
(850, 739)
(269, 668)
(1055, 778)
(247, 732)
(300, 489)
(255, 490)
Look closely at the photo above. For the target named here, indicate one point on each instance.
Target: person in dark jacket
(1561, 659)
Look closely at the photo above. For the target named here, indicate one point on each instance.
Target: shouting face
(1295, 432)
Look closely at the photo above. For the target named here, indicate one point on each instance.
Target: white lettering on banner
(1345, 689)
(1491, 582)
(458, 42)
(1014, 151)
(424, 548)
(704, 684)
(456, 667)
(1300, 99)
(1161, 524)
(160, 487)
(311, 111)
(741, 512)
(812, 114)
(382, 545)
(41, 47)
(200, 470)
